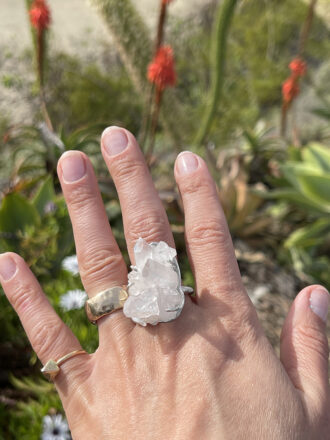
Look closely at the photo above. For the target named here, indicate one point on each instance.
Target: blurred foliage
(240, 200)
(263, 38)
(306, 184)
(309, 178)
(35, 151)
(80, 95)
(25, 422)
(38, 229)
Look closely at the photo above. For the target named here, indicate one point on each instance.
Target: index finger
(49, 336)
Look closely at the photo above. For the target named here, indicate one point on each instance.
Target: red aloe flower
(290, 90)
(6, 137)
(40, 15)
(161, 70)
(298, 67)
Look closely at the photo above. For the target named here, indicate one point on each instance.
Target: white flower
(73, 299)
(71, 264)
(55, 427)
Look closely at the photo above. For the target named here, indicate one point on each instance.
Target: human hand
(211, 373)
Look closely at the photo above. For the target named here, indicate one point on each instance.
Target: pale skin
(211, 374)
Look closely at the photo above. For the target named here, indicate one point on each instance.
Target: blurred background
(245, 84)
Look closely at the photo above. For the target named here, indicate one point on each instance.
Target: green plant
(240, 199)
(24, 420)
(307, 187)
(36, 150)
(38, 229)
(218, 57)
(309, 180)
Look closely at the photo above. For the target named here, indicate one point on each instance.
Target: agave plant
(308, 180)
(308, 187)
(35, 150)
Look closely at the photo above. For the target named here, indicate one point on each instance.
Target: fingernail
(187, 162)
(7, 267)
(319, 302)
(73, 166)
(114, 140)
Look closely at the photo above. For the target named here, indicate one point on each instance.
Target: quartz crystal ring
(154, 287)
(52, 368)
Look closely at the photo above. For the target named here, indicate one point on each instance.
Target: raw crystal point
(154, 284)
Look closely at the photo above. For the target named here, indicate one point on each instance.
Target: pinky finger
(49, 336)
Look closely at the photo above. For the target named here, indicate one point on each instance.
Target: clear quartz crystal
(154, 284)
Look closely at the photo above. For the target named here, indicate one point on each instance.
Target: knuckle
(207, 233)
(311, 338)
(200, 186)
(22, 297)
(128, 170)
(78, 197)
(152, 227)
(46, 336)
(96, 265)
(243, 325)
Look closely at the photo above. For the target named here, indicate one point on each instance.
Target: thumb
(305, 348)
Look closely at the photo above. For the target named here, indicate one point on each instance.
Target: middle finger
(143, 213)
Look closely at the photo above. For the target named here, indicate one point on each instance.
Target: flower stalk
(161, 74)
(290, 87)
(131, 36)
(40, 19)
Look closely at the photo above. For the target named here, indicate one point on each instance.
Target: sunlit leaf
(45, 194)
(318, 155)
(17, 213)
(310, 235)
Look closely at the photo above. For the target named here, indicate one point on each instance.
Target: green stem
(154, 123)
(218, 57)
(306, 28)
(145, 125)
(147, 115)
(40, 74)
(284, 113)
(161, 25)
(152, 117)
(38, 39)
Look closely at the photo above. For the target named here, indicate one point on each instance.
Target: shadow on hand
(197, 321)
